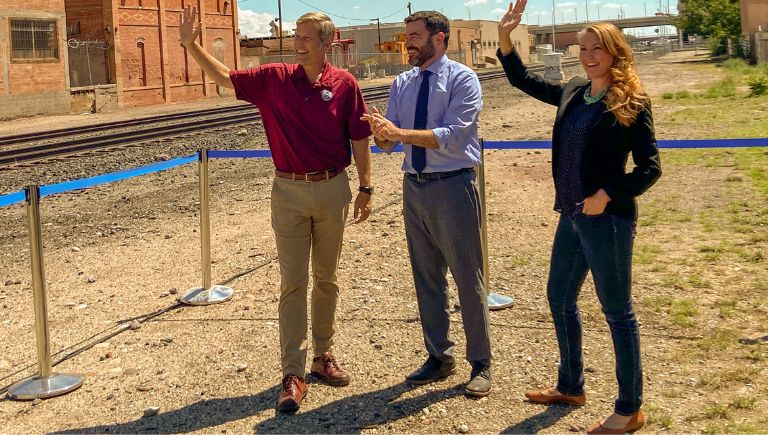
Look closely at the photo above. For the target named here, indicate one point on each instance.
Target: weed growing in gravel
(723, 378)
(744, 402)
(720, 339)
(658, 415)
(717, 411)
(726, 307)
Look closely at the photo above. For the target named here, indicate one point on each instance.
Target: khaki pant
(308, 217)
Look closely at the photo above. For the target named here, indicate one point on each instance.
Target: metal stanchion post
(46, 383)
(495, 300)
(207, 294)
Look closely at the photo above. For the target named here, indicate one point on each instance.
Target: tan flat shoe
(636, 422)
(551, 395)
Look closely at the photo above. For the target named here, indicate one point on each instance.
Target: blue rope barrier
(398, 148)
(685, 143)
(52, 189)
(84, 183)
(12, 198)
(249, 154)
(238, 154)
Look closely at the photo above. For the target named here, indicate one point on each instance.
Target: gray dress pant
(442, 226)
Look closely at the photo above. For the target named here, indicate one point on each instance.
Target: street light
(378, 29)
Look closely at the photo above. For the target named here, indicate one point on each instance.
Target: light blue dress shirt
(455, 101)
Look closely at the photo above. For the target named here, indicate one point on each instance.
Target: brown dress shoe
(551, 395)
(293, 392)
(325, 368)
(636, 422)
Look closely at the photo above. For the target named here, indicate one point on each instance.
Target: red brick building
(142, 56)
(34, 76)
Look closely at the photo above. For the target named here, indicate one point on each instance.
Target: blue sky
(255, 15)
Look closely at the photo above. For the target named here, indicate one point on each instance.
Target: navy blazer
(603, 164)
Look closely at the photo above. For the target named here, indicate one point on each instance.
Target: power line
(348, 18)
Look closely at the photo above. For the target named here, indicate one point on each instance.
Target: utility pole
(280, 22)
(553, 25)
(378, 29)
(409, 8)
(586, 7)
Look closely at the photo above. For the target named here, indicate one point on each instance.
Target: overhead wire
(331, 14)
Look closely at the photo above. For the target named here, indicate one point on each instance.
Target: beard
(425, 53)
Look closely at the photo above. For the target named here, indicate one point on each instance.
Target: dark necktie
(419, 154)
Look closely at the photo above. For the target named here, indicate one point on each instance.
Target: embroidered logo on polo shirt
(326, 94)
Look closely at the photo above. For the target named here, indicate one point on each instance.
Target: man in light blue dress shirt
(433, 111)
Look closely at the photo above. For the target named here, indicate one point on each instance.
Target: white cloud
(595, 2)
(475, 2)
(355, 7)
(498, 1)
(255, 24)
(567, 5)
(498, 11)
(612, 6)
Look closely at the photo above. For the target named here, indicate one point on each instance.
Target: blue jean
(601, 244)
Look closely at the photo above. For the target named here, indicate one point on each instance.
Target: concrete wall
(34, 86)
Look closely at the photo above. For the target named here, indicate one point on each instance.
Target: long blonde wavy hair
(626, 96)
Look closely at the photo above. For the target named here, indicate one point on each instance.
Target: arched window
(142, 63)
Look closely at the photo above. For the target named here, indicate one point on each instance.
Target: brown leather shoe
(551, 395)
(293, 392)
(636, 422)
(325, 368)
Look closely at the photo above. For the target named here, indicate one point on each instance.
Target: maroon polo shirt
(309, 125)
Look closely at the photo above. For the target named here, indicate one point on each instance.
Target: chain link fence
(369, 65)
(87, 63)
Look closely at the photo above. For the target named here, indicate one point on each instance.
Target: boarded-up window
(34, 39)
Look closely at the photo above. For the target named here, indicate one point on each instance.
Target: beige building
(472, 42)
(486, 41)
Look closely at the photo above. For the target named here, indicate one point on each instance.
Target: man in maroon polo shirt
(311, 113)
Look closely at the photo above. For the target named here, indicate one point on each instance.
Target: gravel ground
(117, 254)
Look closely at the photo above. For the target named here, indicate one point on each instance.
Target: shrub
(758, 85)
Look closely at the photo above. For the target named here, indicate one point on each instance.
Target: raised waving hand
(508, 23)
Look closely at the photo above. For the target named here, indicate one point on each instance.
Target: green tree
(718, 19)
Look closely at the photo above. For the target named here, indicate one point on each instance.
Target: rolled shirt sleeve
(459, 122)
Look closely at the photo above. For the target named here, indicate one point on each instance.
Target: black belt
(432, 176)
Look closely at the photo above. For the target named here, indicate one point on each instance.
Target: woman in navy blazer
(600, 121)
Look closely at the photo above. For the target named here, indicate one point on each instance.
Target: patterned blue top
(577, 122)
(455, 101)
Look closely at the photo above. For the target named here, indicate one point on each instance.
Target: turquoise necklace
(589, 99)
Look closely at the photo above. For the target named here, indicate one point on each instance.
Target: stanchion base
(42, 388)
(201, 296)
(499, 302)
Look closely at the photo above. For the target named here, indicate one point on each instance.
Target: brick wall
(162, 71)
(30, 87)
(89, 14)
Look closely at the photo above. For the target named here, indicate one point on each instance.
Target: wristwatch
(366, 189)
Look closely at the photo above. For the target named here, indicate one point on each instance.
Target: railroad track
(28, 148)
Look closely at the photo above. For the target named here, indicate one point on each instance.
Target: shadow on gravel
(540, 421)
(196, 417)
(351, 415)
